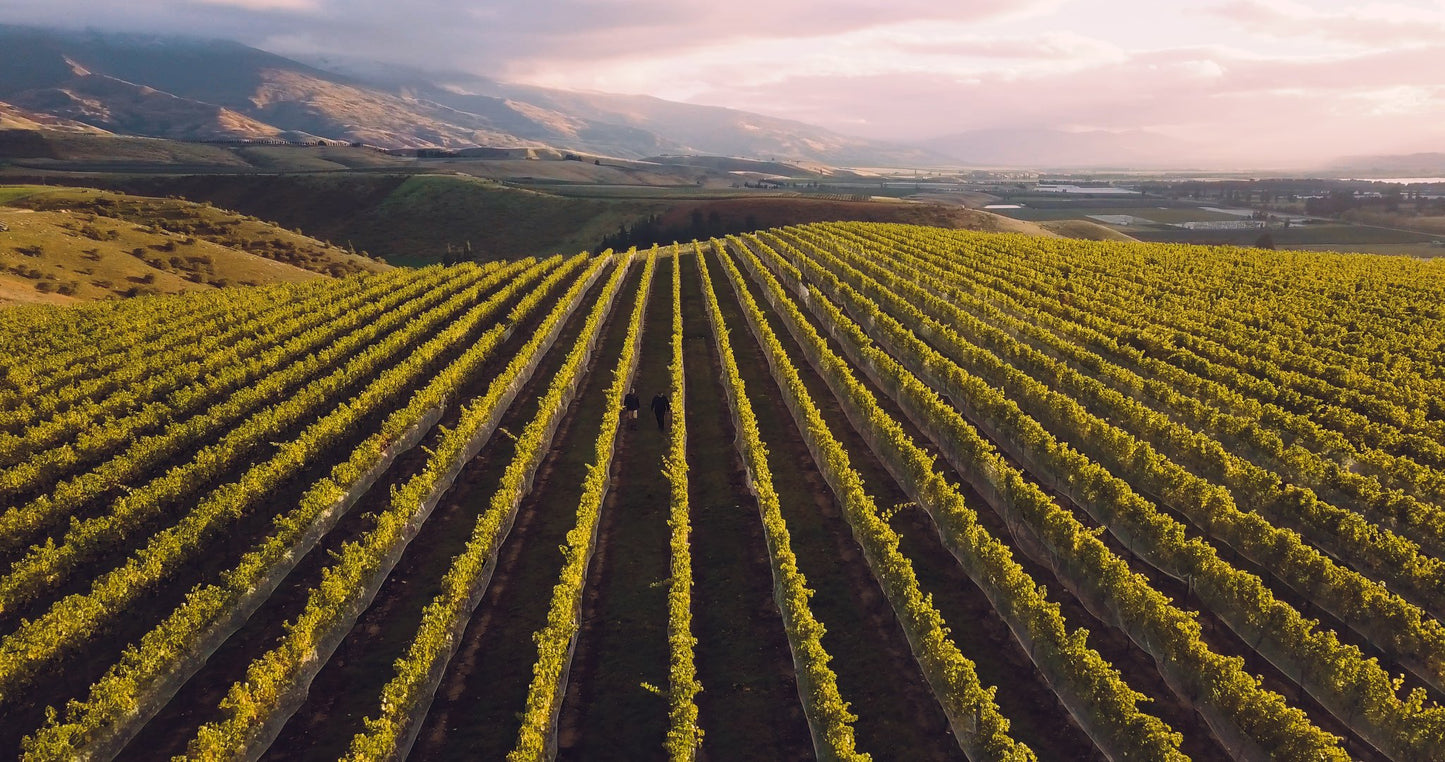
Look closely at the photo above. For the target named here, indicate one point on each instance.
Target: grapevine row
(97, 430)
(275, 684)
(1400, 627)
(74, 620)
(115, 372)
(536, 739)
(47, 566)
(127, 329)
(683, 734)
(1350, 686)
(829, 720)
(979, 727)
(1123, 322)
(1423, 523)
(22, 524)
(148, 673)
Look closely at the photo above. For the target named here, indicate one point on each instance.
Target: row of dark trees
(651, 231)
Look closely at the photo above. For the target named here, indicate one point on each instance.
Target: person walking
(631, 403)
(660, 408)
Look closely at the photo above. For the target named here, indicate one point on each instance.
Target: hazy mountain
(624, 124)
(1061, 149)
(209, 90)
(708, 129)
(203, 90)
(1401, 165)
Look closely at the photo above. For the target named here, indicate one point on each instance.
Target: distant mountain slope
(688, 128)
(61, 245)
(217, 90)
(15, 118)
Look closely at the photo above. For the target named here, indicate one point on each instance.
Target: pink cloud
(1253, 77)
(1376, 24)
(1240, 109)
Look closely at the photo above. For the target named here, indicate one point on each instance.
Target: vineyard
(922, 494)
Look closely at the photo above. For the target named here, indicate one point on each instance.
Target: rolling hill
(62, 245)
(420, 219)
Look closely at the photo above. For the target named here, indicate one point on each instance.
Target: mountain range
(216, 90)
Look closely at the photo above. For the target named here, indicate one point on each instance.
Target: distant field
(425, 214)
(649, 193)
(10, 193)
(776, 212)
(1431, 225)
(1065, 201)
(1299, 235)
(53, 151)
(1053, 213)
(1173, 215)
(1086, 230)
(607, 173)
(1162, 215)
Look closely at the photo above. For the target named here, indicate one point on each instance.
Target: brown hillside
(60, 245)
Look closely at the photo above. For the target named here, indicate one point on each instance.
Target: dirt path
(622, 644)
(476, 713)
(749, 707)
(898, 717)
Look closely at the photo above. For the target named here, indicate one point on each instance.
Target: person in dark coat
(660, 408)
(631, 403)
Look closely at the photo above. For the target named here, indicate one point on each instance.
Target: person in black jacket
(630, 405)
(660, 408)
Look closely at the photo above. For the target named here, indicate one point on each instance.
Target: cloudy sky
(1259, 81)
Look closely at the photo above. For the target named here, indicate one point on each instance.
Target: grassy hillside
(50, 149)
(408, 219)
(423, 216)
(74, 244)
(30, 151)
(1084, 230)
(415, 219)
